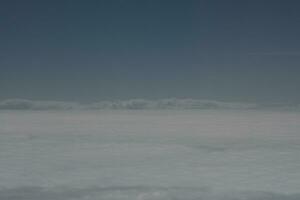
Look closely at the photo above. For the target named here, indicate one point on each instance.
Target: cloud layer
(138, 192)
(136, 104)
(132, 104)
(24, 104)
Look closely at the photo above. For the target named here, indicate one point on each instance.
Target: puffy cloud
(172, 103)
(127, 104)
(134, 104)
(200, 104)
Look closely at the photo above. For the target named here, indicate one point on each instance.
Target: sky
(85, 51)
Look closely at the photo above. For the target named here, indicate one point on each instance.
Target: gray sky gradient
(102, 50)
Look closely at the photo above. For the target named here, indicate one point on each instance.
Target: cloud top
(172, 103)
(132, 104)
(135, 104)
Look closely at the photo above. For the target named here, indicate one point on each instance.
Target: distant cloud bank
(24, 104)
(133, 104)
(138, 192)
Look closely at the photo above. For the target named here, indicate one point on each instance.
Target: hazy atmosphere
(149, 100)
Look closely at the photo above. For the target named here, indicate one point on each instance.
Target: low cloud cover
(132, 104)
(136, 104)
(210, 155)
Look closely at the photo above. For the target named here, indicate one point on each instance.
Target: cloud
(138, 192)
(138, 104)
(132, 104)
(126, 104)
(24, 104)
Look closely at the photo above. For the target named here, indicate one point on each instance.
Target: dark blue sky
(120, 49)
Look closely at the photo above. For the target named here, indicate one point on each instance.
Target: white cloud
(132, 104)
(149, 155)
